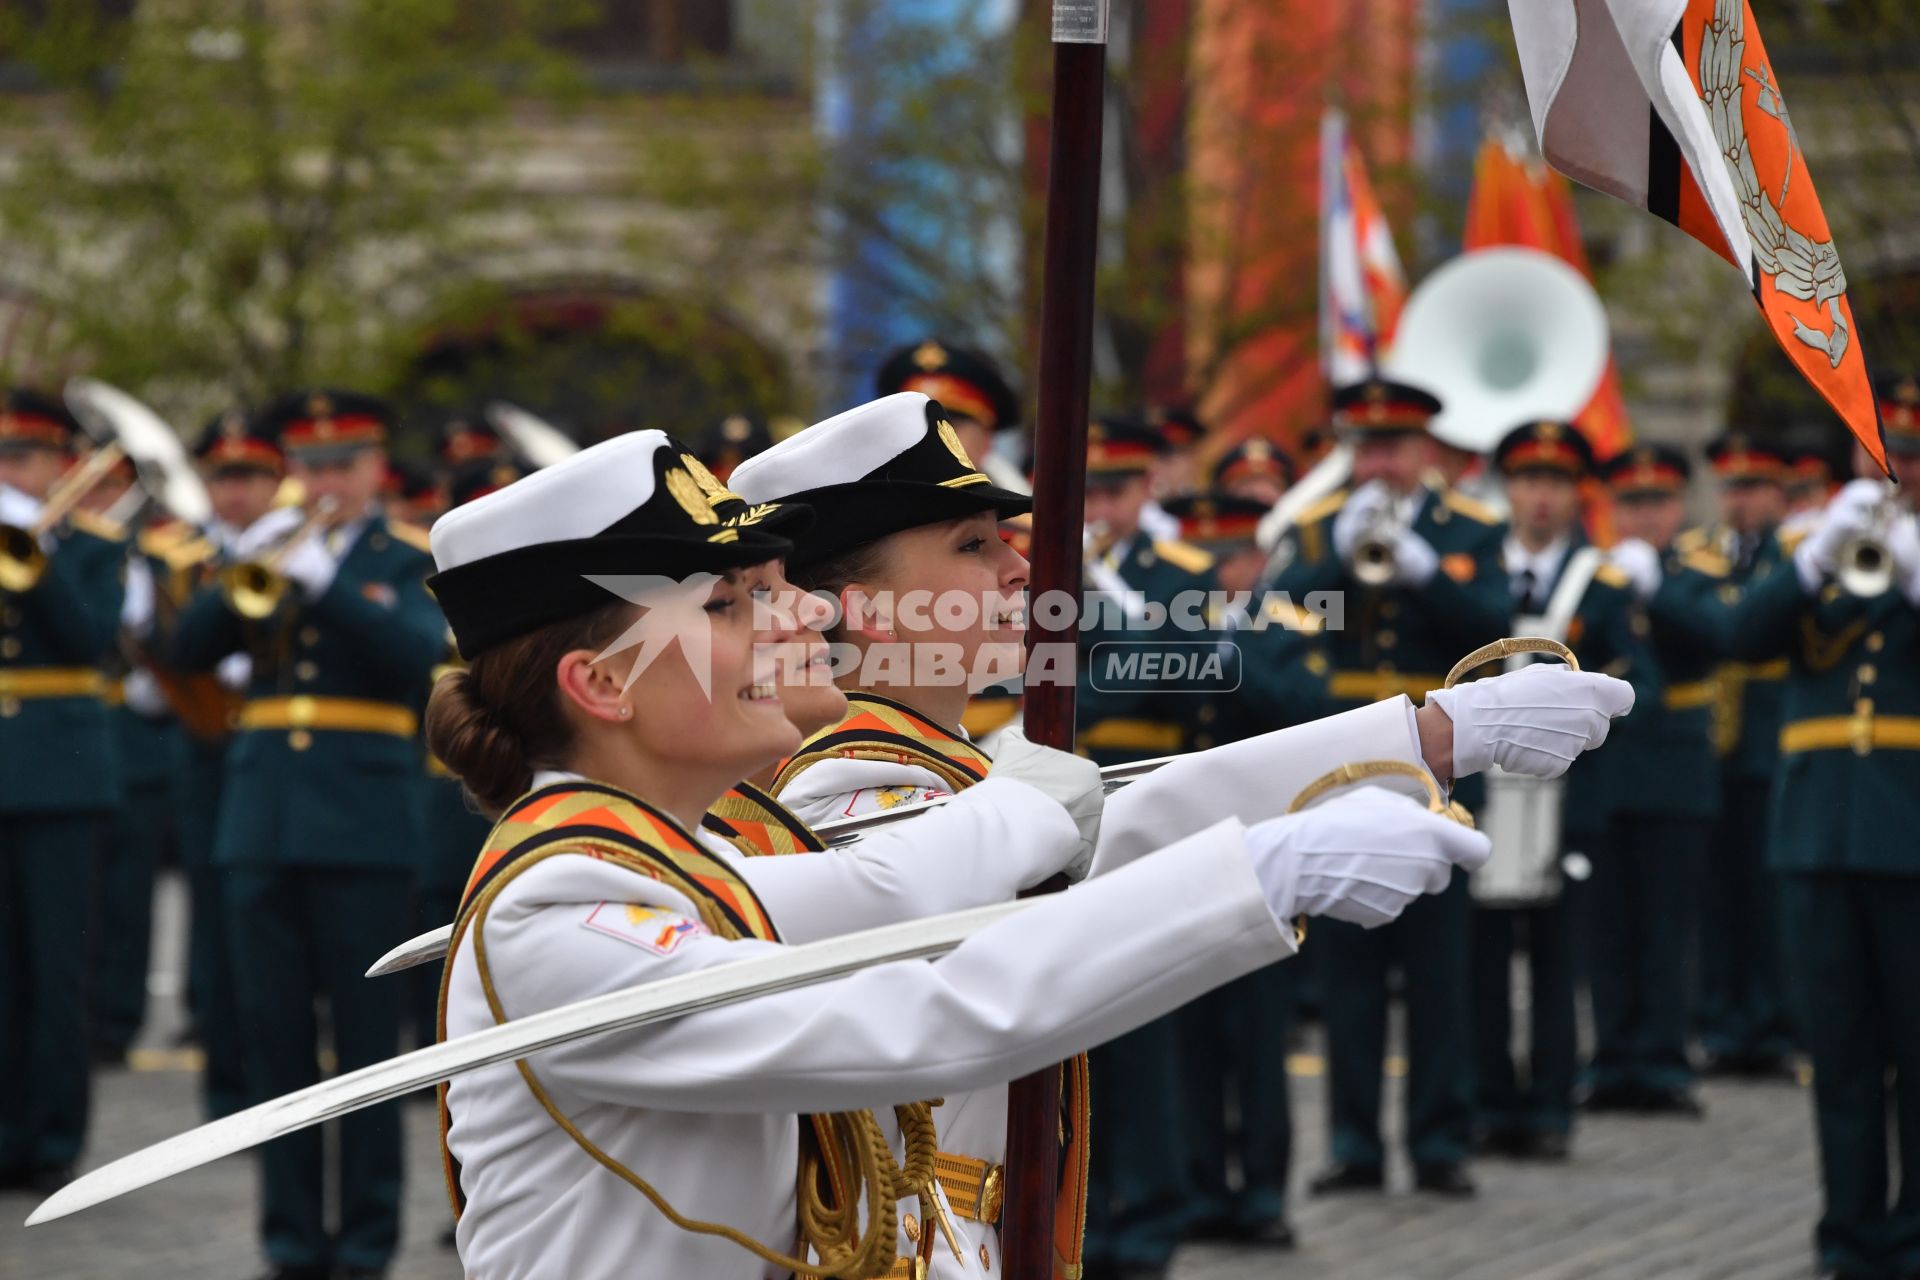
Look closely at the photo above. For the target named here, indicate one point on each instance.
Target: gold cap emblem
(951, 438)
(929, 356)
(716, 493)
(686, 491)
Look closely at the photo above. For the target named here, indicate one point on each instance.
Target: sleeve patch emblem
(648, 928)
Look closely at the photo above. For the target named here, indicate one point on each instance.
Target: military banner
(1672, 105)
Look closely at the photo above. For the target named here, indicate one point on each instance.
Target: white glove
(310, 566)
(1370, 502)
(18, 508)
(1361, 856)
(1414, 560)
(1847, 517)
(267, 532)
(1636, 558)
(1074, 784)
(1535, 721)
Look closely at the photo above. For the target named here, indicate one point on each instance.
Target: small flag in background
(1672, 105)
(1362, 287)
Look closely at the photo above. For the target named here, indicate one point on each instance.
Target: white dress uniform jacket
(706, 1109)
(1253, 779)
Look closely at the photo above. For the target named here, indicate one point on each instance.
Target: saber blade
(766, 974)
(431, 947)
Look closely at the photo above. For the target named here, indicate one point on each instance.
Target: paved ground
(1730, 1196)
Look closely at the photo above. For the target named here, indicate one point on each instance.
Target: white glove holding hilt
(1071, 782)
(1362, 856)
(1534, 721)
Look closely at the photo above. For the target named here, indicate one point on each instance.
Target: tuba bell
(1503, 336)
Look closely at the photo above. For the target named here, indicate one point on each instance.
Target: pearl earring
(626, 713)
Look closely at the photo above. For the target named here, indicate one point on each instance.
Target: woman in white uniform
(624, 724)
(905, 527)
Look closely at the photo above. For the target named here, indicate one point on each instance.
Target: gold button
(300, 709)
(986, 1259)
(1876, 642)
(1207, 713)
(10, 647)
(309, 635)
(1867, 673)
(9, 707)
(304, 670)
(1387, 637)
(912, 1225)
(299, 739)
(9, 617)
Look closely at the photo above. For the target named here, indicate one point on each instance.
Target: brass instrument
(22, 562)
(255, 589)
(1374, 563)
(1865, 567)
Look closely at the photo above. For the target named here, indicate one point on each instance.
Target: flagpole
(1059, 492)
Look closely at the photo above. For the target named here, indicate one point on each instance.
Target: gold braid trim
(852, 1152)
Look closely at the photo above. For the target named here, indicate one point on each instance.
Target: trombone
(255, 589)
(22, 560)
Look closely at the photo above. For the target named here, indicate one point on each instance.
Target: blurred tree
(234, 196)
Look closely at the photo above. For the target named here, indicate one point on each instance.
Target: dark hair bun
(476, 745)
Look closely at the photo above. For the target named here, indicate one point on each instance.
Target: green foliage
(234, 196)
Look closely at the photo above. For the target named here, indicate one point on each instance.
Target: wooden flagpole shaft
(1059, 488)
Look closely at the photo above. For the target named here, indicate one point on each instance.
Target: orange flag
(1518, 202)
(1672, 105)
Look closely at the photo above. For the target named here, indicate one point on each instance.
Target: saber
(431, 947)
(786, 970)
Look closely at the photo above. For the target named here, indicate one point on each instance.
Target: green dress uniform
(1517, 1107)
(1742, 1011)
(141, 829)
(137, 841)
(1642, 904)
(455, 833)
(1138, 1197)
(1233, 1040)
(198, 765)
(1845, 806)
(1399, 640)
(319, 836)
(59, 783)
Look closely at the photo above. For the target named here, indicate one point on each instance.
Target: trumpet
(1865, 568)
(255, 589)
(22, 561)
(1374, 562)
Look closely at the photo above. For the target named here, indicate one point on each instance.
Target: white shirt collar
(1544, 563)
